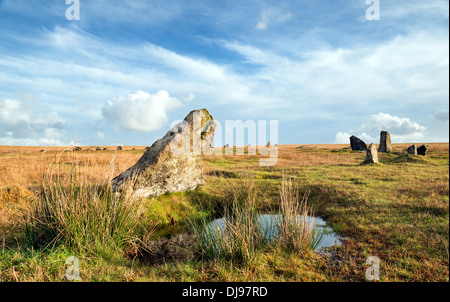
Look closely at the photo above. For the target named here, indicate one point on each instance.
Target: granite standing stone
(371, 155)
(174, 162)
(385, 142)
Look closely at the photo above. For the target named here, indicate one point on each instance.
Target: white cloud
(344, 138)
(24, 123)
(393, 124)
(140, 111)
(402, 130)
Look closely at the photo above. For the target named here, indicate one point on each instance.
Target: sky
(127, 70)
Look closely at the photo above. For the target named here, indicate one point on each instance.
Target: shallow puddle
(268, 223)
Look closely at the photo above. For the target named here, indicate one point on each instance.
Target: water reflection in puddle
(268, 223)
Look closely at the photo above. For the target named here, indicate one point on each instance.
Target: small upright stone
(422, 150)
(371, 155)
(119, 148)
(385, 142)
(269, 144)
(412, 150)
(357, 144)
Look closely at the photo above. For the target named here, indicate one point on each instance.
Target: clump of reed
(86, 217)
(295, 225)
(239, 235)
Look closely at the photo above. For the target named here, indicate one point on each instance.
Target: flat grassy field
(397, 211)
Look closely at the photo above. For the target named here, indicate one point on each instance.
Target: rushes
(85, 217)
(296, 226)
(239, 235)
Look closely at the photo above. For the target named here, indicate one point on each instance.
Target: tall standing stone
(174, 162)
(357, 144)
(422, 150)
(412, 150)
(385, 142)
(371, 155)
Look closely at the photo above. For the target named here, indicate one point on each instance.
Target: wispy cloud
(269, 16)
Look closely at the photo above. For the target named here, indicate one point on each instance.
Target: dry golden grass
(25, 166)
(397, 210)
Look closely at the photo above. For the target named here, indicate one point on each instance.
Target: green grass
(397, 211)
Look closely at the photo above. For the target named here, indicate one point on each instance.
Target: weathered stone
(385, 142)
(357, 144)
(98, 149)
(422, 150)
(77, 149)
(269, 144)
(371, 155)
(174, 162)
(119, 148)
(412, 150)
(105, 149)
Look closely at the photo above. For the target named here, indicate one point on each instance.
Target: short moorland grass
(396, 211)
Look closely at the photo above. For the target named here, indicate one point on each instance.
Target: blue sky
(127, 69)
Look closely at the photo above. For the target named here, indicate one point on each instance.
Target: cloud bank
(22, 122)
(402, 130)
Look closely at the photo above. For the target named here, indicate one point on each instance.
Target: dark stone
(422, 150)
(357, 144)
(412, 150)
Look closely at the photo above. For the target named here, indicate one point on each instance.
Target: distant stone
(98, 149)
(77, 149)
(119, 148)
(43, 150)
(385, 142)
(371, 155)
(303, 147)
(269, 144)
(422, 150)
(105, 149)
(227, 146)
(412, 150)
(174, 162)
(357, 144)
